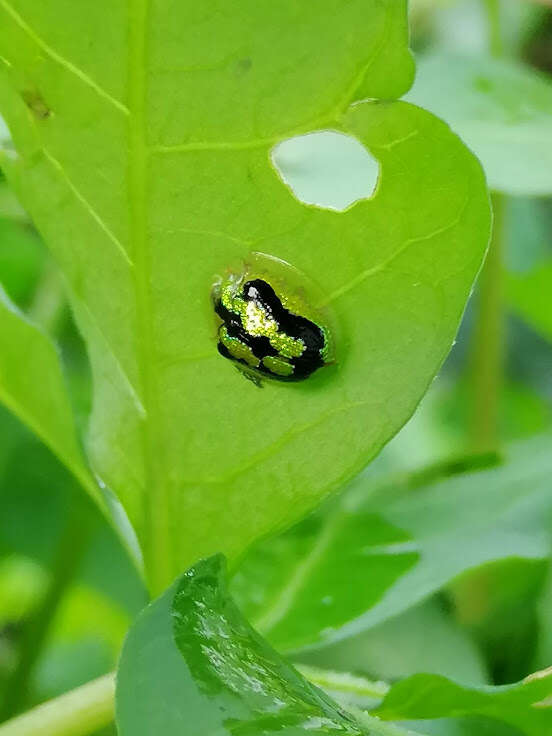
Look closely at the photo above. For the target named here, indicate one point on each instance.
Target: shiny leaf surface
(192, 664)
(526, 705)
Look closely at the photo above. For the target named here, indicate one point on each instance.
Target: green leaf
(39, 499)
(382, 548)
(143, 153)
(21, 260)
(32, 386)
(192, 664)
(398, 648)
(470, 726)
(9, 206)
(319, 575)
(527, 705)
(503, 619)
(43, 513)
(544, 648)
(350, 690)
(501, 109)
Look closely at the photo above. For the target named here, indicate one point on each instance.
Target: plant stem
(496, 45)
(487, 358)
(378, 727)
(69, 554)
(92, 706)
(343, 682)
(77, 713)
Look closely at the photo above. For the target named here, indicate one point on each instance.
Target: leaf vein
(296, 580)
(379, 267)
(126, 380)
(61, 60)
(267, 452)
(87, 206)
(157, 519)
(212, 233)
(216, 145)
(361, 74)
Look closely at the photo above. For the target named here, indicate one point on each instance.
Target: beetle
(263, 332)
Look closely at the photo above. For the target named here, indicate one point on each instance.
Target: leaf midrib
(155, 511)
(60, 59)
(156, 502)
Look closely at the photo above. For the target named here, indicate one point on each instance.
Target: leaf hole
(328, 169)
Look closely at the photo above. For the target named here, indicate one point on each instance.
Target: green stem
(487, 358)
(68, 557)
(91, 707)
(77, 713)
(496, 45)
(376, 726)
(88, 708)
(343, 682)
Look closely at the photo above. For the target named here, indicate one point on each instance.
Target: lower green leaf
(398, 648)
(193, 665)
(386, 545)
(526, 705)
(465, 727)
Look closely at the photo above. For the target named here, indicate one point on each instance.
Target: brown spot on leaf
(243, 66)
(36, 104)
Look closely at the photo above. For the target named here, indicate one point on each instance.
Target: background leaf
(35, 390)
(526, 705)
(500, 108)
(148, 182)
(21, 259)
(43, 512)
(10, 209)
(398, 648)
(380, 550)
(471, 726)
(356, 692)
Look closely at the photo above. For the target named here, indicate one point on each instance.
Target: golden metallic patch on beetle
(326, 352)
(258, 323)
(237, 348)
(279, 366)
(255, 319)
(289, 347)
